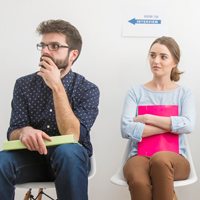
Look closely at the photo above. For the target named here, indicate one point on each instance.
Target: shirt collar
(67, 80)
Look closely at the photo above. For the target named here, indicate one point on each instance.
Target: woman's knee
(161, 161)
(138, 183)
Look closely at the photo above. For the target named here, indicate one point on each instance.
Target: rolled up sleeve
(129, 128)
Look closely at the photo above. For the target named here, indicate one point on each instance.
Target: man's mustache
(47, 57)
(59, 64)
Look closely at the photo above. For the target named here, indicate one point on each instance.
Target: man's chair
(49, 185)
(118, 177)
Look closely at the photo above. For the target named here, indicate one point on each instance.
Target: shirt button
(48, 126)
(50, 110)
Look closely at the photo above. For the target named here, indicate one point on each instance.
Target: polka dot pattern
(32, 105)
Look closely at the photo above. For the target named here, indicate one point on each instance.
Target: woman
(151, 176)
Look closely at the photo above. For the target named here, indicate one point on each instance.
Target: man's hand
(49, 72)
(33, 139)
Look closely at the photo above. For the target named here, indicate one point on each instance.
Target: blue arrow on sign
(144, 21)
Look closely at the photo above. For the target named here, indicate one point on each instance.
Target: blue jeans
(67, 165)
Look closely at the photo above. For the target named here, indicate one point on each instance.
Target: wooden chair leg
(27, 195)
(40, 194)
(175, 197)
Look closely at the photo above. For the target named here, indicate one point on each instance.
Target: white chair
(49, 185)
(118, 177)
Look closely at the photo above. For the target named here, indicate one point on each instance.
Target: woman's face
(161, 60)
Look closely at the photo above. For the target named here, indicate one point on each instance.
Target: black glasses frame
(53, 46)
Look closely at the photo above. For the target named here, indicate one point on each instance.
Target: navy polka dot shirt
(32, 105)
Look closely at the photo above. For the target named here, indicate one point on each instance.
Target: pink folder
(161, 142)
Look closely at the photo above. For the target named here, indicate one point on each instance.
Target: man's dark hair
(72, 35)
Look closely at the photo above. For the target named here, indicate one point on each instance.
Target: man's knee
(5, 162)
(71, 153)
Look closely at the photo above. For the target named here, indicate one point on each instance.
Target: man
(53, 101)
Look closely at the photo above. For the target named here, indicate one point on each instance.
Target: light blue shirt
(181, 124)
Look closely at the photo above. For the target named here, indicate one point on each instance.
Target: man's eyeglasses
(53, 46)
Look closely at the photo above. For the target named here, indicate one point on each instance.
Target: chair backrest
(93, 167)
(193, 176)
(118, 177)
(48, 185)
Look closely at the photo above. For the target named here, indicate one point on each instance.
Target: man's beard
(61, 64)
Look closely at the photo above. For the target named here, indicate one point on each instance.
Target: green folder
(55, 140)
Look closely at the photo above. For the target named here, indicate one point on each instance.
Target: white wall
(108, 59)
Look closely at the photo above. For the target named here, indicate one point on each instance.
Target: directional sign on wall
(144, 23)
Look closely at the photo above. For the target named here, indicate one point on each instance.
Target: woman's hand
(145, 119)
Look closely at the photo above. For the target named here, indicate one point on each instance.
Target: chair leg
(27, 195)
(40, 191)
(175, 197)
